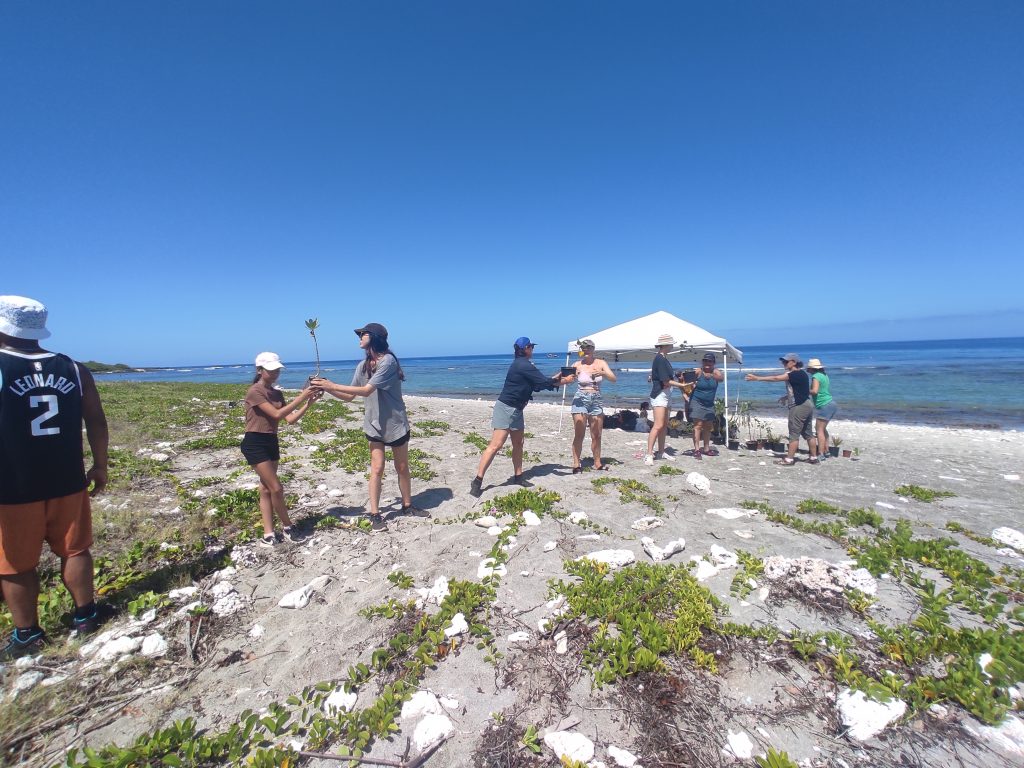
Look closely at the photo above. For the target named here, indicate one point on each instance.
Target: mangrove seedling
(312, 324)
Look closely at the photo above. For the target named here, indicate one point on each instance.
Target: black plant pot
(834, 451)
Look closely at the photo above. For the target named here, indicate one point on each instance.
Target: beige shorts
(65, 523)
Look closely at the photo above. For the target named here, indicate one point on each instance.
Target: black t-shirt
(801, 384)
(40, 427)
(661, 371)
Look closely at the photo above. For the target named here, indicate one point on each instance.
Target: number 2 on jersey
(52, 408)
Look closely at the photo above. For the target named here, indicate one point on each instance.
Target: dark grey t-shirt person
(384, 418)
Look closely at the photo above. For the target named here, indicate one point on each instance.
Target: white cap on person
(269, 361)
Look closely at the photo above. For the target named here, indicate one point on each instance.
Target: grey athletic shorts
(507, 417)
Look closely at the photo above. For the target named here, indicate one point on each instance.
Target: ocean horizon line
(558, 353)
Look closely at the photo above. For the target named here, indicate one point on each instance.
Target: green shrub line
(926, 495)
(631, 490)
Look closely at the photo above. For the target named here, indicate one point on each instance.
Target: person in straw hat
(663, 378)
(44, 496)
(824, 406)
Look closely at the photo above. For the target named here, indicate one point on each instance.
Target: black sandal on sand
(602, 468)
(786, 462)
(577, 470)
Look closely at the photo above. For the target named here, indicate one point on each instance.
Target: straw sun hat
(665, 340)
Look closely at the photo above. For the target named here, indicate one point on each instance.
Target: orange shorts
(65, 523)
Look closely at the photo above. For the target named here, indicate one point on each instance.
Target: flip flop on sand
(602, 468)
(786, 462)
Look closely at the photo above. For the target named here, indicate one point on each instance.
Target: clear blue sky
(185, 183)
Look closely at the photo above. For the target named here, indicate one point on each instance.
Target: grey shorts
(827, 412)
(800, 418)
(589, 403)
(701, 412)
(508, 418)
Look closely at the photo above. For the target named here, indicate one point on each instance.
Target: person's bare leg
(793, 445)
(376, 476)
(696, 435)
(21, 591)
(498, 438)
(822, 427)
(579, 423)
(706, 434)
(518, 440)
(401, 455)
(77, 574)
(271, 496)
(596, 428)
(658, 431)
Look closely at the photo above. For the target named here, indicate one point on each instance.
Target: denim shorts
(827, 412)
(589, 403)
(508, 418)
(662, 400)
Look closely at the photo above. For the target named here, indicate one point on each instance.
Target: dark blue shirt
(521, 381)
(801, 384)
(661, 372)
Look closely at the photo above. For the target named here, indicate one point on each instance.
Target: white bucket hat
(23, 318)
(269, 361)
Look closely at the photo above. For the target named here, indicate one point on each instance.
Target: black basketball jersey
(40, 427)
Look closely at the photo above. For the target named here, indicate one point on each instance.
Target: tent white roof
(634, 340)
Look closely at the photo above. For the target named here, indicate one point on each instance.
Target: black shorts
(400, 441)
(258, 447)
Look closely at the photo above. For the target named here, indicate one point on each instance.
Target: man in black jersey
(44, 397)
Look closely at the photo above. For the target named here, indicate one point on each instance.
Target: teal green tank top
(824, 396)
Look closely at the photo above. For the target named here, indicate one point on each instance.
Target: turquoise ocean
(955, 383)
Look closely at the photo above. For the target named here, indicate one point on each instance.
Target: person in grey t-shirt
(385, 423)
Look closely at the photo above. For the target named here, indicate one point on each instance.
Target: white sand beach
(761, 696)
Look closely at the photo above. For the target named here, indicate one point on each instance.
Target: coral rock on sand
(864, 717)
(530, 518)
(458, 626)
(818, 575)
(430, 730)
(730, 513)
(567, 744)
(698, 483)
(1007, 737)
(422, 703)
(622, 757)
(339, 701)
(300, 597)
(435, 594)
(154, 645)
(613, 558)
(717, 560)
(487, 521)
(738, 745)
(656, 553)
(1009, 536)
(489, 568)
(646, 523)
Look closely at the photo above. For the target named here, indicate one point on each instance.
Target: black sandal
(577, 470)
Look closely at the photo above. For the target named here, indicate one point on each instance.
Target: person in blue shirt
(521, 381)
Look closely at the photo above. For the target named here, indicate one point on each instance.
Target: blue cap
(524, 341)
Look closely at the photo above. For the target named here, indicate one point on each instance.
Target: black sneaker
(413, 511)
(476, 487)
(89, 624)
(521, 481)
(291, 534)
(377, 522)
(24, 644)
(270, 540)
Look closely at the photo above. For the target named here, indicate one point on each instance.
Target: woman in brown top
(264, 408)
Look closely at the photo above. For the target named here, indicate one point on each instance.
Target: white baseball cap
(268, 361)
(23, 318)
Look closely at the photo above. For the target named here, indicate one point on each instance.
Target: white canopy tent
(633, 341)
